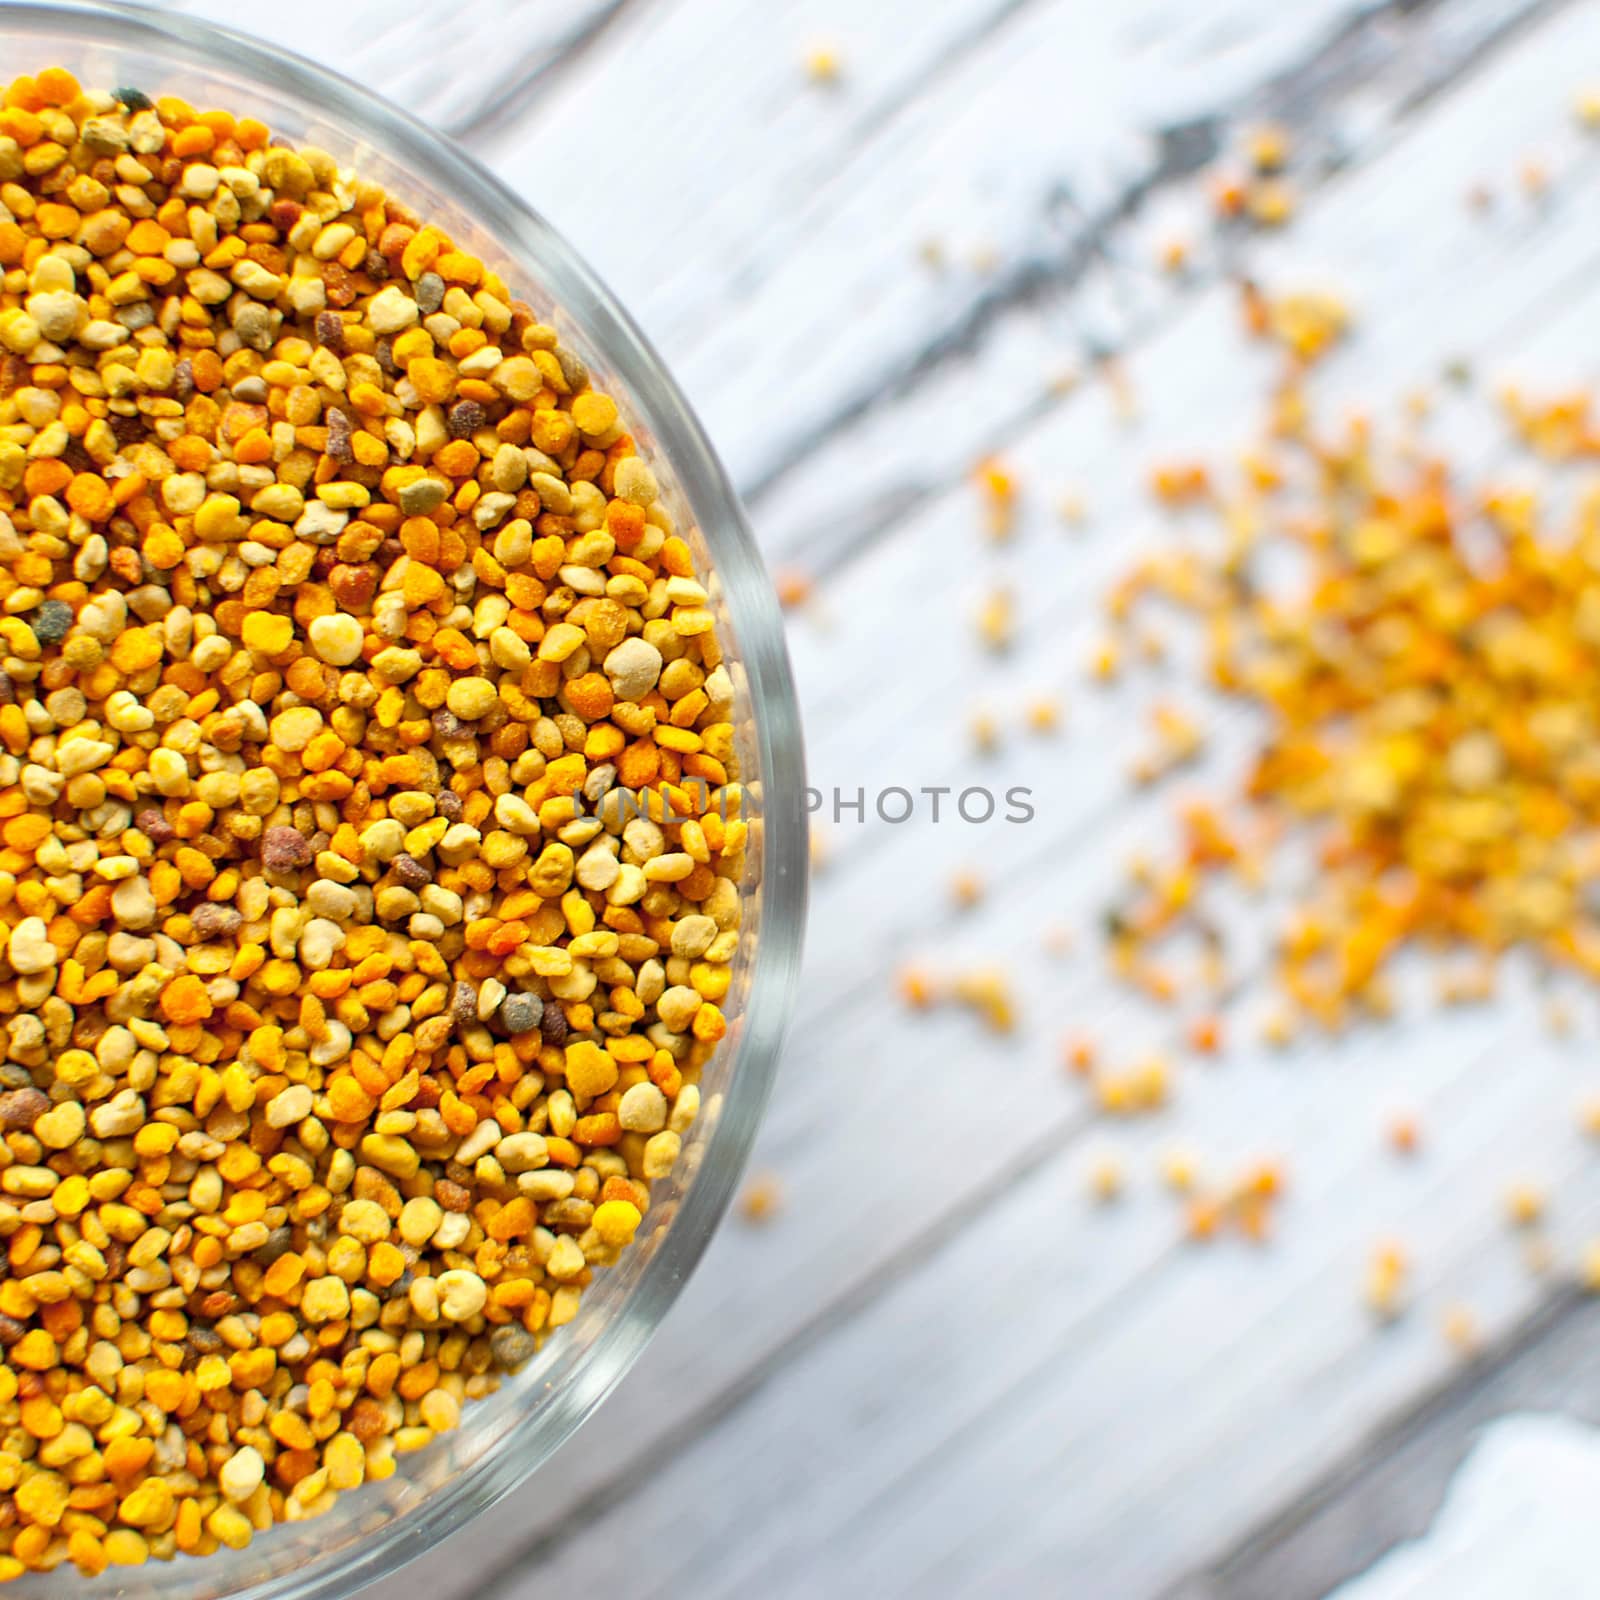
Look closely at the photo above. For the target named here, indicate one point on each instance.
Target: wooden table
(938, 1371)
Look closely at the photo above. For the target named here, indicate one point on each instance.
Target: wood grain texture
(456, 66)
(936, 1373)
(1090, 282)
(784, 221)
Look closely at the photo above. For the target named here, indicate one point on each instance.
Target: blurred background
(1045, 1284)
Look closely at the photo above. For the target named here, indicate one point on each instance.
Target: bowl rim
(761, 654)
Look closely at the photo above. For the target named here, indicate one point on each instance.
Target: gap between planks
(1303, 97)
(1390, 1490)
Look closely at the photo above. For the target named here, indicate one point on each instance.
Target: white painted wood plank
(1546, 1367)
(448, 64)
(1132, 1479)
(1427, 279)
(771, 241)
(855, 480)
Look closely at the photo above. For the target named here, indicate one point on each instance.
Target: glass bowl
(502, 1439)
